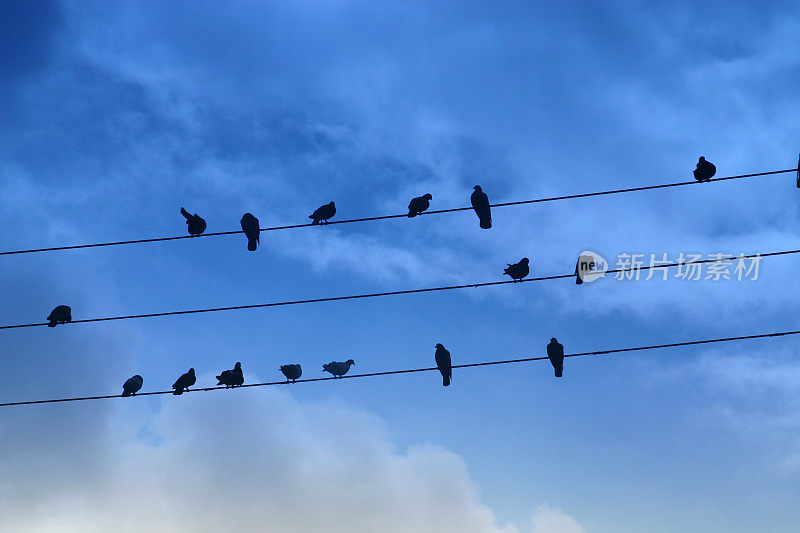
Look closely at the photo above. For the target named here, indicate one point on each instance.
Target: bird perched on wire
(338, 368)
(132, 385)
(232, 378)
(292, 372)
(555, 352)
(61, 314)
(195, 223)
(323, 213)
(480, 203)
(252, 230)
(419, 204)
(184, 382)
(518, 270)
(444, 364)
(705, 170)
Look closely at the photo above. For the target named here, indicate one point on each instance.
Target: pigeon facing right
(251, 229)
(419, 204)
(518, 270)
(480, 203)
(195, 223)
(444, 364)
(338, 368)
(232, 378)
(184, 382)
(60, 315)
(132, 385)
(322, 214)
(292, 372)
(705, 170)
(555, 352)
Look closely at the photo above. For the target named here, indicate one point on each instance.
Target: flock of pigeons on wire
(234, 377)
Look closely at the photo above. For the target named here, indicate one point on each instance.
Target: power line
(428, 369)
(394, 293)
(403, 215)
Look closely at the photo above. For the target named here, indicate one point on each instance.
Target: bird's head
(553, 339)
(137, 376)
(524, 260)
(439, 346)
(428, 196)
(477, 188)
(332, 204)
(350, 362)
(702, 158)
(238, 365)
(191, 371)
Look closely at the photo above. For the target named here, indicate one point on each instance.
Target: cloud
(249, 460)
(547, 519)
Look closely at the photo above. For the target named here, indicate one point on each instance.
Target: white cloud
(547, 519)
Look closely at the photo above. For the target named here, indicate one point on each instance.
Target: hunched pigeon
(252, 230)
(132, 385)
(292, 372)
(338, 368)
(323, 213)
(61, 314)
(195, 223)
(518, 270)
(419, 204)
(184, 382)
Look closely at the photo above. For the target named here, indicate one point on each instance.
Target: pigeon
(60, 315)
(419, 204)
(132, 385)
(322, 214)
(337, 368)
(196, 224)
(232, 378)
(555, 352)
(518, 270)
(578, 277)
(184, 382)
(480, 203)
(704, 170)
(292, 372)
(444, 364)
(252, 230)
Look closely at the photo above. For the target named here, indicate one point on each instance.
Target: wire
(429, 369)
(393, 293)
(404, 215)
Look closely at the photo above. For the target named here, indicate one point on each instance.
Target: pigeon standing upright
(705, 170)
(132, 385)
(444, 364)
(518, 270)
(184, 382)
(232, 378)
(480, 203)
(61, 314)
(419, 204)
(338, 368)
(195, 223)
(323, 213)
(555, 352)
(292, 372)
(252, 230)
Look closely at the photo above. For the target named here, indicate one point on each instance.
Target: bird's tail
(559, 368)
(314, 220)
(126, 393)
(446, 380)
(411, 214)
(52, 323)
(185, 214)
(578, 279)
(252, 243)
(178, 391)
(486, 222)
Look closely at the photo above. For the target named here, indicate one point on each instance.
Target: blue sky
(116, 115)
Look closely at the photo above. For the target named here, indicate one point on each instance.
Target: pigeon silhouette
(480, 203)
(704, 170)
(322, 214)
(252, 230)
(60, 315)
(555, 352)
(195, 223)
(184, 382)
(132, 385)
(337, 368)
(419, 204)
(232, 378)
(292, 372)
(444, 364)
(518, 270)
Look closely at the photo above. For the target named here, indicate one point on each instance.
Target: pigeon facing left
(195, 223)
(232, 378)
(518, 270)
(292, 372)
(322, 214)
(132, 385)
(705, 170)
(60, 315)
(444, 364)
(419, 204)
(184, 382)
(251, 229)
(555, 352)
(338, 368)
